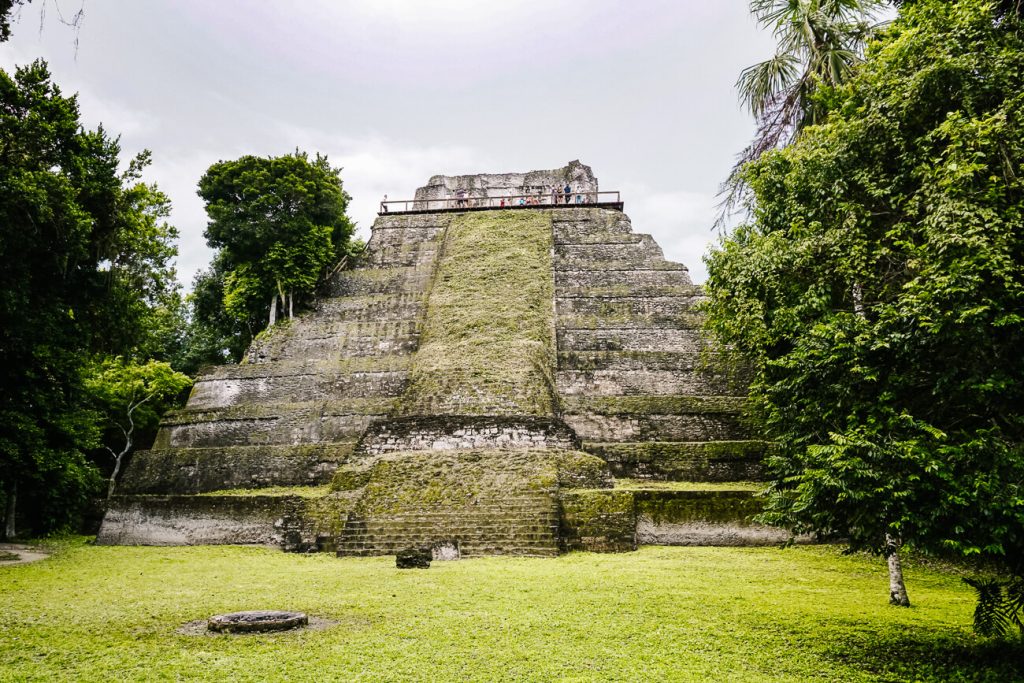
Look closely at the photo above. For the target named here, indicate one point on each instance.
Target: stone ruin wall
(497, 185)
(317, 405)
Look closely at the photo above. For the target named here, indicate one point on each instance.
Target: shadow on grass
(924, 656)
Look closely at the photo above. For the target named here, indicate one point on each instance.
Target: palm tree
(819, 43)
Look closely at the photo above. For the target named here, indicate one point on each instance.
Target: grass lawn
(757, 614)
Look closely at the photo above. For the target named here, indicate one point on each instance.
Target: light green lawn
(765, 614)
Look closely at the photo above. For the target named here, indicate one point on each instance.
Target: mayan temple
(511, 370)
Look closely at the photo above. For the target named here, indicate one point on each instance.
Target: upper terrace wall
(484, 185)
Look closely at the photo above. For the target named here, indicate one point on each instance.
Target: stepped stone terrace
(524, 380)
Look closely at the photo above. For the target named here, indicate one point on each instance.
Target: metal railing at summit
(550, 200)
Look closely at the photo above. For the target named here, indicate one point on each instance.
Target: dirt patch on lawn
(15, 553)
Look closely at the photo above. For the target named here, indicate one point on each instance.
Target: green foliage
(659, 614)
(279, 224)
(1000, 606)
(488, 340)
(131, 396)
(86, 269)
(879, 296)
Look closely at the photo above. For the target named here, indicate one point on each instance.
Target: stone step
(370, 308)
(630, 340)
(643, 405)
(308, 366)
(632, 428)
(630, 361)
(713, 461)
(642, 252)
(624, 282)
(611, 320)
(407, 254)
(566, 238)
(640, 381)
(668, 307)
(340, 340)
(268, 424)
(210, 394)
(199, 470)
(396, 280)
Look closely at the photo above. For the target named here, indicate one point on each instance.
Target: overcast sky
(395, 91)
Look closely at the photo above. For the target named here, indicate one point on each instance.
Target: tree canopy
(278, 223)
(86, 271)
(878, 294)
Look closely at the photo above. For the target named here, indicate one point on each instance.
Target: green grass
(488, 344)
(800, 614)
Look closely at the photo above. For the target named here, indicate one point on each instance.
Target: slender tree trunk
(273, 310)
(12, 504)
(291, 302)
(897, 588)
(118, 459)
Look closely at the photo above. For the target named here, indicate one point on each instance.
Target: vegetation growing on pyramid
(488, 344)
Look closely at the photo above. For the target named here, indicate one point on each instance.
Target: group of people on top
(552, 194)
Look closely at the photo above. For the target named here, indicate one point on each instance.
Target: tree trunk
(897, 589)
(12, 500)
(273, 310)
(117, 468)
(291, 302)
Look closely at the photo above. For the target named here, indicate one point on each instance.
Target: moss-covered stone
(488, 339)
(654, 405)
(598, 521)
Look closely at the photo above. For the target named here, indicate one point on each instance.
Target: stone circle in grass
(256, 621)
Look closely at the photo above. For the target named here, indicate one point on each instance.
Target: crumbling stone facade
(390, 416)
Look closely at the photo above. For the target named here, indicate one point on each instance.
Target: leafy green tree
(131, 396)
(878, 295)
(279, 223)
(85, 269)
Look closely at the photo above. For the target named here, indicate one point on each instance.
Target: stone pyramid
(523, 380)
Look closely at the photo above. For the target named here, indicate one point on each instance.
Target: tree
(819, 43)
(131, 396)
(877, 292)
(279, 223)
(85, 270)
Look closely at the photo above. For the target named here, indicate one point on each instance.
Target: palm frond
(759, 85)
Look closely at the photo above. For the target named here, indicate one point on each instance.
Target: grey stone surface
(484, 185)
(256, 621)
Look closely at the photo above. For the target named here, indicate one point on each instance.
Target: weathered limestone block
(711, 461)
(196, 520)
(448, 433)
(199, 470)
(703, 518)
(630, 428)
(483, 185)
(630, 340)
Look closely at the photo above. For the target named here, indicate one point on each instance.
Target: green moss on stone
(488, 343)
(271, 491)
(655, 405)
(735, 507)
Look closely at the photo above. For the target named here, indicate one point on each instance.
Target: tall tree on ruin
(278, 224)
